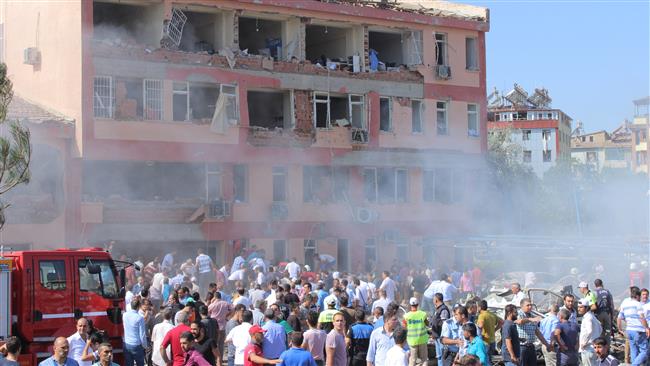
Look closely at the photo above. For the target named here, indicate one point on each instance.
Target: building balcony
(640, 120)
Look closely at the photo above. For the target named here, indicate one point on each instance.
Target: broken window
(458, 186)
(525, 135)
(324, 43)
(442, 185)
(321, 110)
(471, 52)
(441, 118)
(396, 48)
(416, 116)
(546, 156)
(129, 102)
(370, 255)
(123, 24)
(201, 32)
(153, 99)
(338, 110)
(386, 185)
(143, 181)
(322, 184)
(104, 97)
(357, 115)
(309, 246)
(203, 101)
(441, 49)
(212, 183)
(229, 92)
(279, 184)
(279, 250)
(428, 184)
(370, 184)
(261, 37)
(385, 115)
(527, 156)
(401, 185)
(181, 101)
(472, 120)
(239, 184)
(270, 109)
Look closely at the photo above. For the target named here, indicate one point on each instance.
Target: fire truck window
(104, 286)
(52, 274)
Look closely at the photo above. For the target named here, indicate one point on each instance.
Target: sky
(592, 56)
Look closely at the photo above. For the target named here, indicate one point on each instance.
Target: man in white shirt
(517, 294)
(397, 355)
(157, 336)
(78, 341)
(239, 336)
(590, 329)
(362, 294)
(294, 269)
(382, 302)
(389, 286)
(241, 298)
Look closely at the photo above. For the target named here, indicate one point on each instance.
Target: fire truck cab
(50, 289)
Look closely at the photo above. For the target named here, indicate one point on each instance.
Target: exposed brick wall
(303, 111)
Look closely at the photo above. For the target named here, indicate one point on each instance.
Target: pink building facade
(298, 127)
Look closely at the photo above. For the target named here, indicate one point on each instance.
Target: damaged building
(341, 127)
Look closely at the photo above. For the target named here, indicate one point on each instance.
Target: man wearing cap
(416, 324)
(588, 294)
(590, 329)
(325, 318)
(253, 352)
(275, 336)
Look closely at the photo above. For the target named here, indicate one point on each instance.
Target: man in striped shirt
(636, 327)
(204, 268)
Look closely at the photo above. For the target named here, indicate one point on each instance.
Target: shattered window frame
(240, 195)
(357, 101)
(442, 118)
(389, 122)
(213, 173)
(280, 174)
(232, 102)
(100, 110)
(185, 92)
(442, 56)
(472, 120)
(152, 104)
(417, 125)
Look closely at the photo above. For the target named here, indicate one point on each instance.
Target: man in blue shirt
(547, 327)
(381, 340)
(275, 337)
(636, 327)
(296, 355)
(452, 336)
(135, 335)
(60, 354)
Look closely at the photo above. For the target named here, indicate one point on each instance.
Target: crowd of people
(254, 313)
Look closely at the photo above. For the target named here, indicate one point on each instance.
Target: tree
(15, 149)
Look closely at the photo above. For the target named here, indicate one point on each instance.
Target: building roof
(642, 101)
(428, 7)
(27, 112)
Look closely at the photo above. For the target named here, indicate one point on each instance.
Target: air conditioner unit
(359, 136)
(31, 56)
(279, 211)
(366, 215)
(219, 208)
(443, 71)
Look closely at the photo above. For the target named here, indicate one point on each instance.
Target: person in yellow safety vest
(417, 336)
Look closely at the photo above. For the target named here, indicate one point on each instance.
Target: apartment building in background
(300, 127)
(544, 133)
(603, 150)
(640, 133)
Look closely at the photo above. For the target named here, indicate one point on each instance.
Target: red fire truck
(42, 292)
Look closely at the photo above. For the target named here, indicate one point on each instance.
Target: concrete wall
(536, 146)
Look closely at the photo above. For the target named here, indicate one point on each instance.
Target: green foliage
(15, 149)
